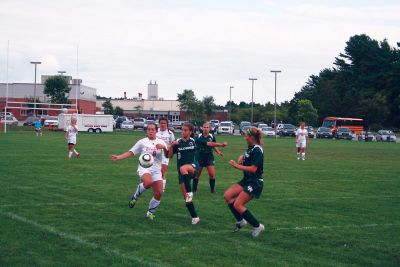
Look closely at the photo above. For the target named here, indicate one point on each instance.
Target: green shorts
(252, 187)
(206, 160)
(196, 169)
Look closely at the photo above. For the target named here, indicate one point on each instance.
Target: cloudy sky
(204, 45)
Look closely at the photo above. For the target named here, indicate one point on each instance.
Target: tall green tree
(209, 106)
(188, 102)
(57, 88)
(306, 112)
(108, 107)
(118, 111)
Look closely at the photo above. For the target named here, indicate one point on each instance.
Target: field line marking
(296, 228)
(200, 200)
(76, 238)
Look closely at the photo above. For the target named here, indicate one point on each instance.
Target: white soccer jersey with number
(166, 135)
(146, 145)
(301, 135)
(72, 134)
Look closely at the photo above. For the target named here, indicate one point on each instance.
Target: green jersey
(185, 152)
(254, 157)
(201, 142)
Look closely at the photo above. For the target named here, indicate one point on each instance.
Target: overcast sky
(205, 45)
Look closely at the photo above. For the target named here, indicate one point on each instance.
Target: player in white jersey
(70, 136)
(168, 137)
(301, 141)
(150, 177)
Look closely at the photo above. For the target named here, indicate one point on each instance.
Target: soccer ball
(146, 160)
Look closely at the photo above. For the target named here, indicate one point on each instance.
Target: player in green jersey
(251, 186)
(206, 144)
(185, 150)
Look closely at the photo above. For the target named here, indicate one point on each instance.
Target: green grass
(341, 207)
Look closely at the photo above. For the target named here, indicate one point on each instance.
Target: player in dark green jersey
(185, 150)
(251, 185)
(206, 144)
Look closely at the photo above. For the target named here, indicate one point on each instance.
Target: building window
(174, 118)
(23, 112)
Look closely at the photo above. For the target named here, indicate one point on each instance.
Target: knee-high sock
(191, 209)
(153, 205)
(235, 213)
(195, 183)
(186, 181)
(212, 184)
(139, 190)
(250, 218)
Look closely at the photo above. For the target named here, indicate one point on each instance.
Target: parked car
(139, 123)
(225, 127)
(258, 123)
(177, 124)
(213, 128)
(343, 133)
(9, 120)
(324, 132)
(51, 121)
(119, 121)
(368, 136)
(268, 131)
(244, 129)
(243, 124)
(261, 125)
(30, 121)
(2, 114)
(216, 122)
(287, 130)
(386, 135)
(310, 130)
(127, 125)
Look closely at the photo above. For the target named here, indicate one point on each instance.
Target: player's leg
(156, 199)
(298, 150)
(164, 168)
(211, 175)
(239, 205)
(146, 182)
(70, 150)
(185, 173)
(230, 196)
(196, 179)
(303, 150)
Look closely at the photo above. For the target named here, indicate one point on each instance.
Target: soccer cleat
(150, 215)
(195, 220)
(257, 230)
(189, 197)
(304, 158)
(78, 155)
(132, 202)
(239, 225)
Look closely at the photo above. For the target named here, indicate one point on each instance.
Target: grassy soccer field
(341, 207)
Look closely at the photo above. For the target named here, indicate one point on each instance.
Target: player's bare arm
(164, 148)
(243, 168)
(215, 144)
(218, 151)
(125, 155)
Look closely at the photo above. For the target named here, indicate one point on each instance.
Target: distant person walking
(38, 127)
(301, 141)
(70, 136)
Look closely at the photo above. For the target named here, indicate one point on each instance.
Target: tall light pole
(276, 73)
(252, 97)
(34, 88)
(230, 101)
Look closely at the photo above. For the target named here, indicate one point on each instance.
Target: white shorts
(165, 161)
(155, 173)
(301, 144)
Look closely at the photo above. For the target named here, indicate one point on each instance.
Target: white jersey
(167, 136)
(301, 135)
(72, 134)
(146, 145)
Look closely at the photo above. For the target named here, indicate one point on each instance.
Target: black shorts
(252, 187)
(206, 160)
(191, 176)
(71, 144)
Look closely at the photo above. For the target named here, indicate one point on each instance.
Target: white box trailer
(87, 122)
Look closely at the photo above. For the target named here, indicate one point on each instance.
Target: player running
(150, 177)
(70, 136)
(38, 127)
(206, 143)
(168, 137)
(185, 148)
(301, 141)
(251, 185)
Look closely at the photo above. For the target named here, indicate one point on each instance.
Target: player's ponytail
(256, 134)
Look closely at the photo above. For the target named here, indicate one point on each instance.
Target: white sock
(70, 154)
(303, 155)
(139, 190)
(76, 152)
(153, 205)
(164, 181)
(298, 154)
